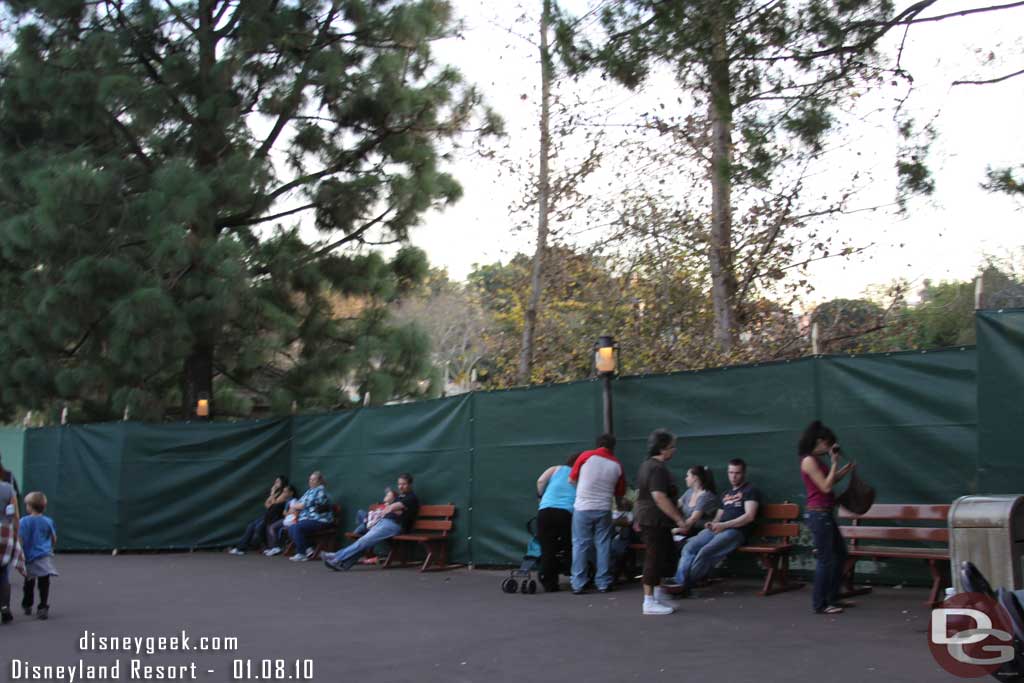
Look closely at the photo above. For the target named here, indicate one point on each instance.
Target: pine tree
(769, 76)
(157, 160)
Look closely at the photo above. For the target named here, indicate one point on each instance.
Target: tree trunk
(723, 271)
(208, 146)
(543, 196)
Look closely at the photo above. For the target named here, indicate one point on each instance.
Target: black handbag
(858, 496)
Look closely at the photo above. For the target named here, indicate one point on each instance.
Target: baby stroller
(522, 579)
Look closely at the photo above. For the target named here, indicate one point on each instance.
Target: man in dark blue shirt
(727, 532)
(398, 518)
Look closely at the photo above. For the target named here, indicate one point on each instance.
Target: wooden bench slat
(899, 552)
(432, 525)
(436, 511)
(775, 530)
(896, 533)
(900, 512)
(783, 511)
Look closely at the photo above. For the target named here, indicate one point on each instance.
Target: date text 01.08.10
(272, 669)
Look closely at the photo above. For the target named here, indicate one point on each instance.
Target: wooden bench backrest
(855, 530)
(434, 519)
(776, 520)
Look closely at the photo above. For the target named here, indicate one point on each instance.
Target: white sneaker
(662, 595)
(299, 557)
(270, 552)
(235, 551)
(310, 552)
(655, 608)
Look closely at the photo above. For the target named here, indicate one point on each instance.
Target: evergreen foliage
(156, 161)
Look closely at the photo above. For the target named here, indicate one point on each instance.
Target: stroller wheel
(509, 586)
(531, 587)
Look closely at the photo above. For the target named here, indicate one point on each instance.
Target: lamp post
(606, 364)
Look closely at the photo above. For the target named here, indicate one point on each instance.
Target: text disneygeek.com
(131, 666)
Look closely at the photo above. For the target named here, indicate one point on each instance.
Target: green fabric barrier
(909, 418)
(196, 485)
(12, 450)
(363, 451)
(1000, 405)
(518, 434)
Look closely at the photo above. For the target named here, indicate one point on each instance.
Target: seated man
(398, 517)
(727, 532)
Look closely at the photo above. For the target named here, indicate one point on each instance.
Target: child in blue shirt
(38, 535)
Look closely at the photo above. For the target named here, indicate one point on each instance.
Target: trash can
(988, 531)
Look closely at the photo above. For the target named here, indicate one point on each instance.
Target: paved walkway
(400, 625)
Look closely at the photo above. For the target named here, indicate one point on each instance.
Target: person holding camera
(819, 481)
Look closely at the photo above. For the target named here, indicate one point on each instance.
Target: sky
(943, 237)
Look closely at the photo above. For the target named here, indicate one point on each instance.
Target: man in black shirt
(727, 532)
(398, 518)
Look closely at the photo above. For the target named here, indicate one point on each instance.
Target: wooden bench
(431, 530)
(771, 540)
(889, 523)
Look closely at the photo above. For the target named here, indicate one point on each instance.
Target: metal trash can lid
(995, 511)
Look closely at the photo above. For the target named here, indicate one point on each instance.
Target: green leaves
(160, 173)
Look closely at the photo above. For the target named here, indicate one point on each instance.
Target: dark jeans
(658, 553)
(831, 551)
(28, 592)
(554, 532)
(253, 534)
(301, 529)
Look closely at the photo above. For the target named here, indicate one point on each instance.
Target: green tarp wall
(911, 419)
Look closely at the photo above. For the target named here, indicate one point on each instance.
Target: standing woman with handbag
(819, 482)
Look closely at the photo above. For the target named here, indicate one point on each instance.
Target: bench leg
(771, 564)
(429, 547)
(848, 589)
(939, 581)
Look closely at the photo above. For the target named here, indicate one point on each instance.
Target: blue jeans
(299, 530)
(828, 572)
(349, 555)
(591, 529)
(702, 552)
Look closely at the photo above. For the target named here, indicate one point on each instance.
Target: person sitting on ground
(273, 511)
(367, 519)
(598, 477)
(554, 520)
(699, 503)
(38, 535)
(656, 514)
(10, 549)
(398, 517)
(277, 530)
(315, 515)
(727, 532)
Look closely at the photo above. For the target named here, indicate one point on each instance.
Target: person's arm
(664, 504)
(825, 483)
(542, 481)
(748, 516)
(718, 516)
